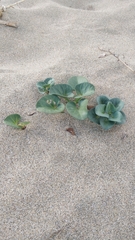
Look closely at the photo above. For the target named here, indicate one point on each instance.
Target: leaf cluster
(71, 96)
(108, 112)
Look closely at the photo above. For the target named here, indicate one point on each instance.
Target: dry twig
(12, 5)
(108, 53)
(3, 9)
(9, 24)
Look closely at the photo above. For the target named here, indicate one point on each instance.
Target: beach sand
(55, 186)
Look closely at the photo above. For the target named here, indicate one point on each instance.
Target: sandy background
(55, 186)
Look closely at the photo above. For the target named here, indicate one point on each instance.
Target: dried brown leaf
(71, 130)
(31, 114)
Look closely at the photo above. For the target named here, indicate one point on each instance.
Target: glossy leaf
(106, 124)
(93, 117)
(110, 108)
(50, 104)
(102, 99)
(84, 89)
(78, 112)
(42, 88)
(75, 80)
(45, 85)
(13, 120)
(62, 90)
(116, 117)
(100, 110)
(122, 118)
(117, 103)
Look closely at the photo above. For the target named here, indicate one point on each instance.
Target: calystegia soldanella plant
(71, 96)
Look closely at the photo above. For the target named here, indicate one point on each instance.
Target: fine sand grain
(56, 186)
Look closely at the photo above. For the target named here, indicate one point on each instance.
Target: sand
(55, 186)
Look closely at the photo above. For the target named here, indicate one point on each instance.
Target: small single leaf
(84, 89)
(50, 104)
(106, 124)
(117, 103)
(78, 112)
(102, 99)
(100, 110)
(13, 120)
(71, 130)
(75, 80)
(123, 118)
(116, 117)
(110, 108)
(49, 81)
(93, 117)
(45, 85)
(42, 87)
(62, 90)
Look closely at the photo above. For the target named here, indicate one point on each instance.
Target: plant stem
(77, 100)
(68, 100)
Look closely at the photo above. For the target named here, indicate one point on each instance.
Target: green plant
(44, 86)
(74, 95)
(108, 112)
(13, 120)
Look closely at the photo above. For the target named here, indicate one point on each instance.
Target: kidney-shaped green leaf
(106, 124)
(50, 104)
(110, 108)
(62, 90)
(45, 85)
(75, 80)
(13, 120)
(100, 110)
(123, 118)
(79, 112)
(84, 89)
(102, 99)
(119, 104)
(49, 81)
(118, 117)
(93, 117)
